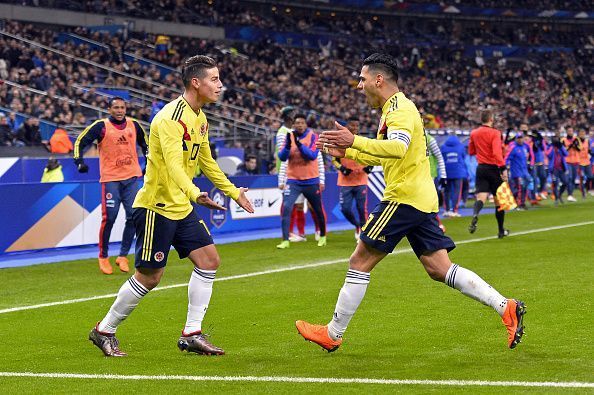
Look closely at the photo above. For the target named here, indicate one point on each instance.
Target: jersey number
(195, 149)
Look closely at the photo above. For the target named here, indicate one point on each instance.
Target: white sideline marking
(283, 269)
(281, 379)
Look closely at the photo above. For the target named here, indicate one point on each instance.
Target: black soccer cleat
(503, 234)
(473, 222)
(197, 343)
(106, 342)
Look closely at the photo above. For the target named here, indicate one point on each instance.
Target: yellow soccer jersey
(401, 149)
(178, 144)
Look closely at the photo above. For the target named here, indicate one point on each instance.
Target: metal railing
(221, 125)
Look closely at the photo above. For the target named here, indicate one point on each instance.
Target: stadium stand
(67, 74)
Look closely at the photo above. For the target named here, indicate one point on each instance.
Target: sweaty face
(209, 87)
(367, 84)
(118, 109)
(300, 125)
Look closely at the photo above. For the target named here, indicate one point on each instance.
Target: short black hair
(250, 157)
(300, 115)
(353, 119)
(383, 63)
(195, 67)
(113, 99)
(486, 116)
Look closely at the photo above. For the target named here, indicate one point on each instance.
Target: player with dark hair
(117, 138)
(486, 143)
(303, 176)
(164, 214)
(408, 208)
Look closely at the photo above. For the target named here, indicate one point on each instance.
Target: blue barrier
(44, 216)
(30, 170)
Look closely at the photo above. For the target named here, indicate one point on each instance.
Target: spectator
(28, 134)
(60, 142)
(249, 167)
(5, 133)
(14, 122)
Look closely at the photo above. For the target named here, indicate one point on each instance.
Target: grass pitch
(408, 327)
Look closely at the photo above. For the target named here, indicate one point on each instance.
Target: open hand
(207, 202)
(244, 202)
(339, 138)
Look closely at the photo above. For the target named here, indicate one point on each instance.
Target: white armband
(400, 135)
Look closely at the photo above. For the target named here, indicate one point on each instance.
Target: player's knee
(150, 280)
(357, 263)
(212, 263)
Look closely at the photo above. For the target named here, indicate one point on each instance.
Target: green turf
(408, 327)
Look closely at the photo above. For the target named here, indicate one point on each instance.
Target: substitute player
(117, 138)
(164, 215)
(352, 181)
(303, 177)
(485, 142)
(408, 208)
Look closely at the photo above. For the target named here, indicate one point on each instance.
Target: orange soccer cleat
(318, 334)
(513, 319)
(122, 262)
(105, 266)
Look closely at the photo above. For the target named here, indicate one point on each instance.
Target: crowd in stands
(444, 82)
(218, 13)
(569, 5)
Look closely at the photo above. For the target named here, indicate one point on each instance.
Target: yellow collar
(390, 101)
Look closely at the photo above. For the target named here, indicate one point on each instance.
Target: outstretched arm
(85, 138)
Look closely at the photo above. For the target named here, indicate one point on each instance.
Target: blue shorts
(155, 234)
(390, 222)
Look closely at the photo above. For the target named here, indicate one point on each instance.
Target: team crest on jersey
(159, 256)
(203, 129)
(108, 195)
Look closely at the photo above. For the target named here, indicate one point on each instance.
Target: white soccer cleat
(317, 235)
(570, 198)
(295, 238)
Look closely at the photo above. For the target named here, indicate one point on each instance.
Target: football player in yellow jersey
(164, 215)
(408, 209)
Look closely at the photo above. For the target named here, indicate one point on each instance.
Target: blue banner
(69, 214)
(504, 51)
(249, 33)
